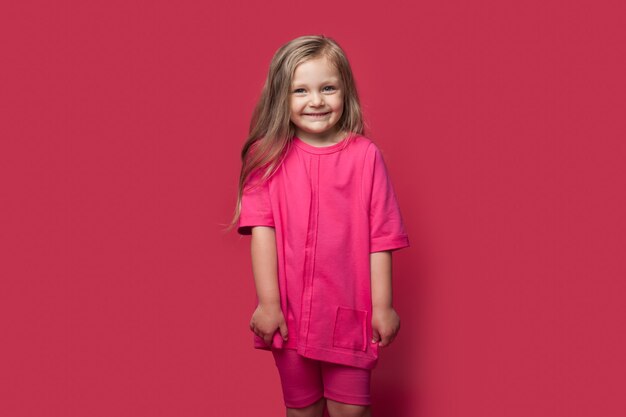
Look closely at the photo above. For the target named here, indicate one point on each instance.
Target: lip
(316, 114)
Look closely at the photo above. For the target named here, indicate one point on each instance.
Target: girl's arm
(385, 320)
(264, 265)
(268, 316)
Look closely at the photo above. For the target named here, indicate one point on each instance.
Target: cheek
(339, 108)
(293, 114)
(339, 104)
(295, 107)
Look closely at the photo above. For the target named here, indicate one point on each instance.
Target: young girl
(315, 196)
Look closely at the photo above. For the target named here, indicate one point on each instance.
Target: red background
(503, 127)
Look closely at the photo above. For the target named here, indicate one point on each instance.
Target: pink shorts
(304, 380)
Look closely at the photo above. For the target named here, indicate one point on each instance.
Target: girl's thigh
(300, 377)
(346, 384)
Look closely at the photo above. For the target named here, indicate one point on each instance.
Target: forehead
(316, 70)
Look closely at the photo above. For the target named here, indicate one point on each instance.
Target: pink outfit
(304, 380)
(331, 207)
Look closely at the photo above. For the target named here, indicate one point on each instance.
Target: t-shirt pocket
(350, 329)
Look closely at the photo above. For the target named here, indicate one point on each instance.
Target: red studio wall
(502, 124)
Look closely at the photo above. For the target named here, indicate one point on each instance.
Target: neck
(323, 139)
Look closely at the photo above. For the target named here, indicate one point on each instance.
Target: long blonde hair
(271, 130)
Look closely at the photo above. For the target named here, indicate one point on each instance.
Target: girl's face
(316, 99)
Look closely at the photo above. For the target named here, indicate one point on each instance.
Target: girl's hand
(265, 320)
(385, 325)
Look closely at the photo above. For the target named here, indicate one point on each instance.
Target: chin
(319, 131)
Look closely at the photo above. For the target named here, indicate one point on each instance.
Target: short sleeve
(256, 206)
(387, 230)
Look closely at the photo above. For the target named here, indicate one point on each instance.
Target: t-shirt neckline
(321, 149)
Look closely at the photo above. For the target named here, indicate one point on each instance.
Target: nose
(317, 99)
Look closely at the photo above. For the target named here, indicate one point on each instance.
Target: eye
(332, 88)
(298, 90)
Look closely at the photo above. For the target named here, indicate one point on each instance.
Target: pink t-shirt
(330, 207)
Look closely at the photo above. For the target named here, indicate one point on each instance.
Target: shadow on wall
(394, 382)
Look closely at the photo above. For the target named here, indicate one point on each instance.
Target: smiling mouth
(316, 114)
